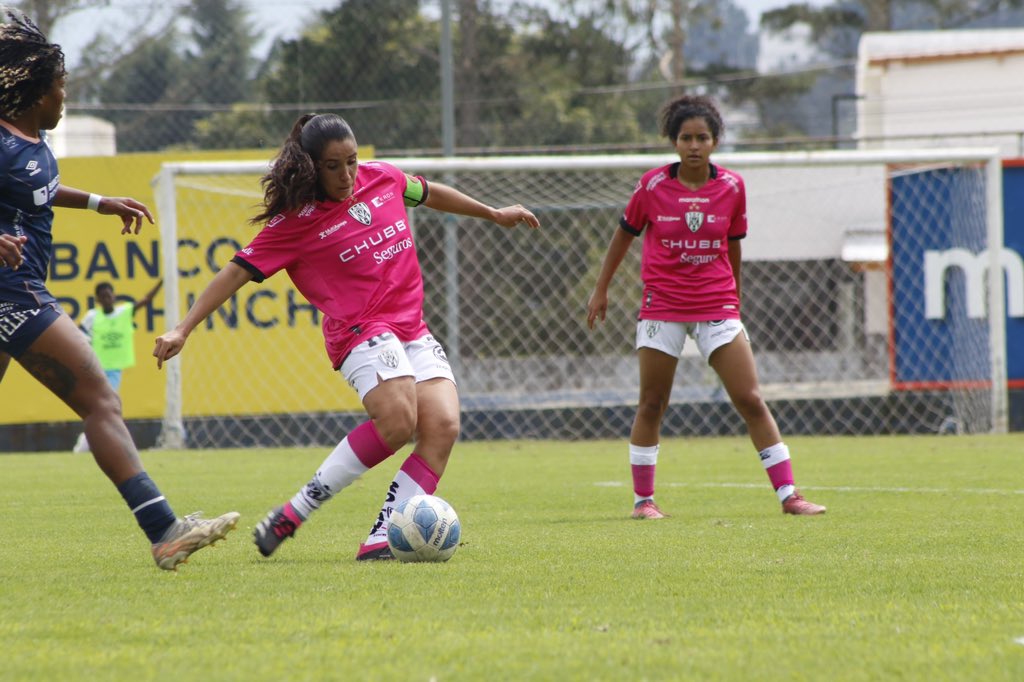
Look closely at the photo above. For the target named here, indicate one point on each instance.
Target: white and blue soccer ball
(424, 528)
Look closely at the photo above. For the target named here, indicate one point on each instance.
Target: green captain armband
(415, 191)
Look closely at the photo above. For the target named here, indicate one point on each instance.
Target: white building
(83, 136)
(942, 88)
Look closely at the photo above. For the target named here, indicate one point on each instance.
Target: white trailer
(941, 88)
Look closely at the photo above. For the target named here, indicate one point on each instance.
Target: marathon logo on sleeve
(655, 181)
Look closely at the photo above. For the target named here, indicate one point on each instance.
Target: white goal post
(835, 278)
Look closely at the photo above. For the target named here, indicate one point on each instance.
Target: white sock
(414, 478)
(337, 472)
(642, 461)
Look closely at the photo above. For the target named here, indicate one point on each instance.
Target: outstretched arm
(450, 200)
(148, 298)
(227, 282)
(597, 306)
(129, 210)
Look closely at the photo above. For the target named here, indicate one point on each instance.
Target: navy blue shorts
(20, 326)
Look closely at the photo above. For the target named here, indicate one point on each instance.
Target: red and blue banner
(938, 282)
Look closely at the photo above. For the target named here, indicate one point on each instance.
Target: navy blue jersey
(28, 185)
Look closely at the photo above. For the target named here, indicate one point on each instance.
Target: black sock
(151, 510)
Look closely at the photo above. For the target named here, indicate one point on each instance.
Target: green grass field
(915, 573)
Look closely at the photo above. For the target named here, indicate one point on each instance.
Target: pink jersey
(685, 265)
(354, 260)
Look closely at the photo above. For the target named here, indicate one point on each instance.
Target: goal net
(871, 293)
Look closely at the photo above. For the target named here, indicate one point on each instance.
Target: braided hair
(674, 113)
(29, 64)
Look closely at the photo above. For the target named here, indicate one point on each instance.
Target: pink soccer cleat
(378, 551)
(646, 509)
(795, 504)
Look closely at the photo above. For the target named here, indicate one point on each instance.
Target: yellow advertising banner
(261, 353)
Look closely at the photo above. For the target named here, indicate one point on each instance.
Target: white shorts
(386, 357)
(670, 337)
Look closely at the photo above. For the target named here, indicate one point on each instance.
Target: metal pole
(447, 82)
(996, 295)
(451, 223)
(835, 114)
(172, 430)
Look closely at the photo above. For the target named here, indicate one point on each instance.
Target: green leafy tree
(218, 71)
(375, 62)
(485, 73)
(135, 95)
(158, 91)
(674, 46)
(219, 65)
(102, 51)
(526, 79)
(46, 13)
(836, 29)
(244, 126)
(565, 95)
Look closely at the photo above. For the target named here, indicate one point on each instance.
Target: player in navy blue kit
(33, 328)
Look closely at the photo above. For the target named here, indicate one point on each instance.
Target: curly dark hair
(292, 180)
(681, 109)
(29, 64)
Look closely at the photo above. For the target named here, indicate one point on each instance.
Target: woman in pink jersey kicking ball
(693, 215)
(341, 231)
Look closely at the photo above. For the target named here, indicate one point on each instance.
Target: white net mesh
(827, 311)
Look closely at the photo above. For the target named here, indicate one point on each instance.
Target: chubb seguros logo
(975, 271)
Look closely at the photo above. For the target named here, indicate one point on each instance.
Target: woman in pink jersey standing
(340, 229)
(693, 215)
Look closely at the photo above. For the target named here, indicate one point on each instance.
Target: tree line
(529, 75)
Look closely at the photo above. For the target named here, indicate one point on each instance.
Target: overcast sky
(273, 14)
(272, 18)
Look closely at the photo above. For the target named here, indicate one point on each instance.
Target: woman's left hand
(511, 216)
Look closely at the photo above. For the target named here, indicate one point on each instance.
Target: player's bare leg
(734, 364)
(657, 372)
(62, 360)
(391, 406)
(437, 429)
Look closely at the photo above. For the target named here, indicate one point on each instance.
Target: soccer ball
(424, 528)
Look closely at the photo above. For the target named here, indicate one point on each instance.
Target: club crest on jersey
(389, 358)
(360, 212)
(694, 219)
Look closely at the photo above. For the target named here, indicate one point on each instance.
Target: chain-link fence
(527, 75)
(200, 75)
(827, 314)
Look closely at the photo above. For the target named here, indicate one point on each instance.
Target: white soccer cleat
(189, 535)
